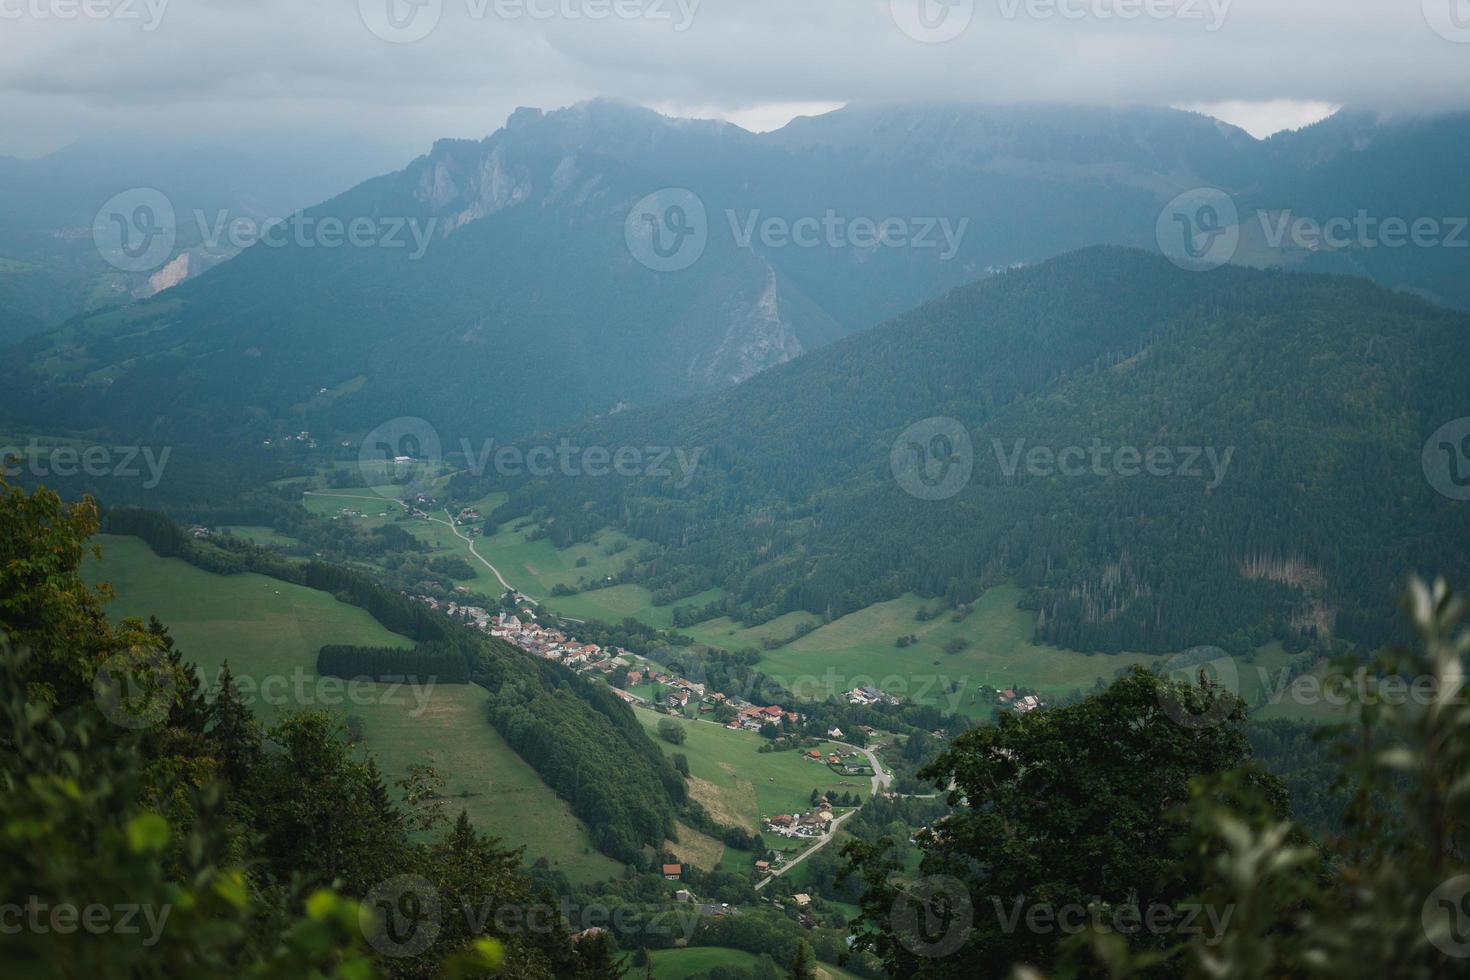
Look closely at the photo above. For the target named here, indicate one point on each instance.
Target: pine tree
(804, 963)
(235, 731)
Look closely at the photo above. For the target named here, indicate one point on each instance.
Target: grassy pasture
(268, 628)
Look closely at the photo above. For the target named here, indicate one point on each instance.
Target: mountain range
(519, 299)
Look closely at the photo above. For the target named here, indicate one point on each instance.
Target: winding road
(449, 523)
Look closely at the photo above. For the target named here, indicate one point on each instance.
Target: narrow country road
(822, 842)
(447, 523)
(471, 542)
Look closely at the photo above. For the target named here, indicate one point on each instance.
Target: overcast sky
(213, 67)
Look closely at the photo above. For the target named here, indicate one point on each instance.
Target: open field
(680, 964)
(264, 536)
(727, 634)
(613, 605)
(737, 782)
(698, 849)
(860, 649)
(269, 628)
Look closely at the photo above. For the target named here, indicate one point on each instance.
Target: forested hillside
(1292, 498)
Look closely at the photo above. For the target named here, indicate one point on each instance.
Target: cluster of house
(550, 643)
(751, 718)
(836, 759)
(814, 823)
(302, 436)
(869, 695)
(1021, 703)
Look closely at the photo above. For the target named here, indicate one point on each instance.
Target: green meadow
(860, 649)
(264, 536)
(680, 964)
(738, 784)
(268, 628)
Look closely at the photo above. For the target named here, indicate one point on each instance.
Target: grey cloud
(262, 64)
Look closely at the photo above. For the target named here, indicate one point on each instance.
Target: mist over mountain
(497, 293)
(50, 267)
